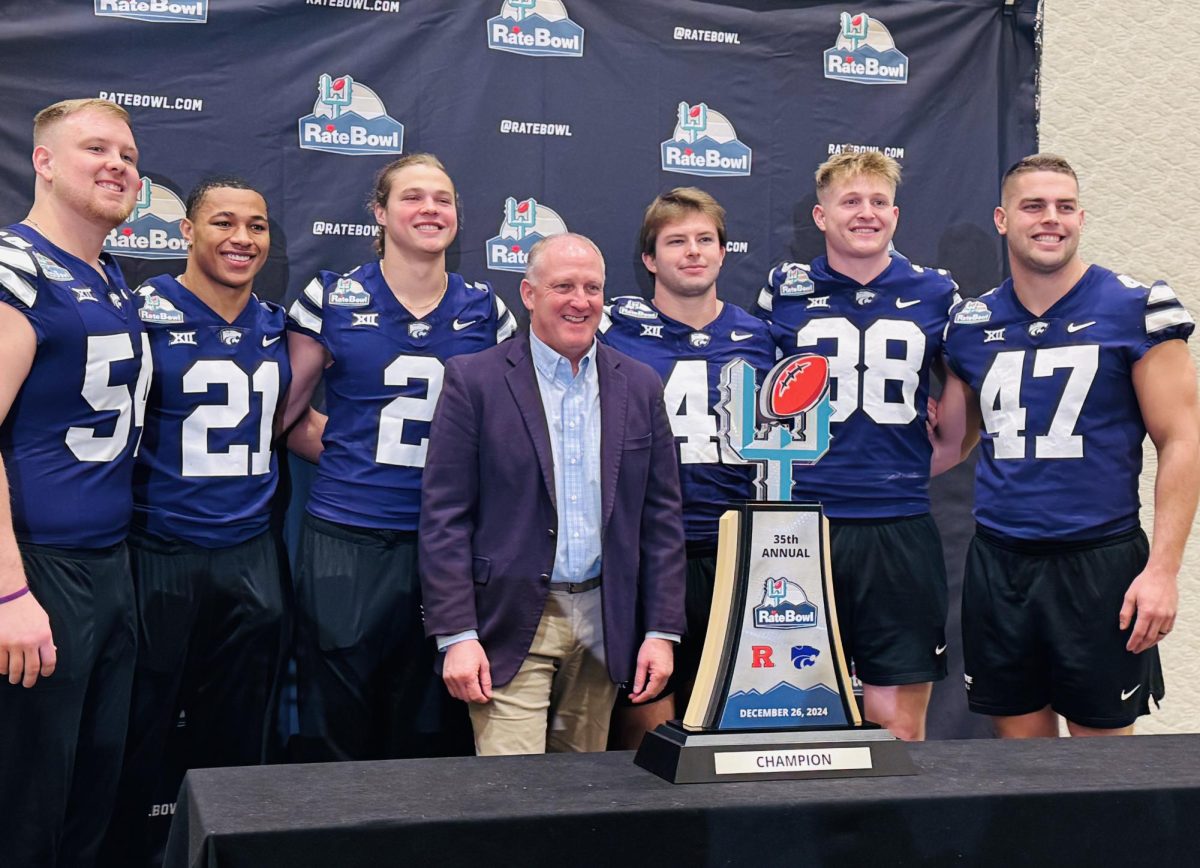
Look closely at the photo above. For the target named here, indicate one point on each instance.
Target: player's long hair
(383, 189)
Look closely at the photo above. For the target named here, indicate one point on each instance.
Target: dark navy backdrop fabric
(575, 120)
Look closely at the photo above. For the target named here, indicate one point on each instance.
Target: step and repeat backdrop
(551, 115)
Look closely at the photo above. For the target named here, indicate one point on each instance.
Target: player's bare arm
(957, 429)
(303, 424)
(26, 644)
(1165, 382)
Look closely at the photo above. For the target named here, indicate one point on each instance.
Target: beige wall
(1120, 98)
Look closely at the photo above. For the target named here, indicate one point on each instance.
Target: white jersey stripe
(18, 286)
(315, 292)
(18, 259)
(301, 315)
(1159, 293)
(1162, 319)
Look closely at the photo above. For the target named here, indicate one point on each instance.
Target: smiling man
(209, 599)
(551, 544)
(74, 366)
(687, 334)
(1067, 366)
(878, 319)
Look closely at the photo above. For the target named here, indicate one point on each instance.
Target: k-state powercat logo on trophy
(152, 230)
(704, 143)
(348, 118)
(865, 53)
(784, 423)
(525, 224)
(539, 28)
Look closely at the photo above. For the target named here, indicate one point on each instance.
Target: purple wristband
(8, 598)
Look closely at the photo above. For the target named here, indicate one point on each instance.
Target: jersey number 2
(391, 448)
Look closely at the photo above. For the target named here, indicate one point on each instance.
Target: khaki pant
(561, 697)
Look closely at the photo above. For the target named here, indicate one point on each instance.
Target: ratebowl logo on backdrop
(537, 27)
(525, 224)
(704, 143)
(865, 53)
(152, 230)
(178, 11)
(348, 118)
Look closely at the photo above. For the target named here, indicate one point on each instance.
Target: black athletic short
(366, 685)
(1040, 628)
(889, 580)
(61, 740)
(211, 644)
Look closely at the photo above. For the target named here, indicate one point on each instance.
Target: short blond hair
(850, 164)
(52, 114)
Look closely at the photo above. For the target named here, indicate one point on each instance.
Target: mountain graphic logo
(349, 118)
(539, 28)
(152, 230)
(525, 224)
(704, 143)
(865, 53)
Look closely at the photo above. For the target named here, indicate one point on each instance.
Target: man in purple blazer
(551, 543)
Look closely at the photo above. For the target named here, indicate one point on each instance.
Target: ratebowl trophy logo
(349, 118)
(540, 28)
(525, 224)
(152, 229)
(752, 716)
(704, 143)
(865, 53)
(787, 424)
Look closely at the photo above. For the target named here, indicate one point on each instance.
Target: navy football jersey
(382, 386)
(70, 436)
(689, 361)
(880, 341)
(206, 472)
(1061, 441)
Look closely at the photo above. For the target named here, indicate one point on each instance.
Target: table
(1094, 802)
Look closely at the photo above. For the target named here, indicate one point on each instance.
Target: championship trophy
(773, 697)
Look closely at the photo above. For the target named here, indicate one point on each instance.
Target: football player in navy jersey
(74, 369)
(878, 319)
(378, 336)
(687, 334)
(1062, 370)
(209, 599)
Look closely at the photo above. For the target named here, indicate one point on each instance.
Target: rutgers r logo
(762, 657)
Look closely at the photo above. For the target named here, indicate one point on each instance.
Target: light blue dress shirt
(571, 402)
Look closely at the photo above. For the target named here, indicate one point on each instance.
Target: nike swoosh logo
(740, 336)
(1125, 694)
(939, 650)
(901, 303)
(268, 341)
(1078, 327)
(459, 326)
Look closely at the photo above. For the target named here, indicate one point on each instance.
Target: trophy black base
(682, 757)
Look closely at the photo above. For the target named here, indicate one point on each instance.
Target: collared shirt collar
(549, 361)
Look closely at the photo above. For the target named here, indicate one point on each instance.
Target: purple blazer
(488, 516)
